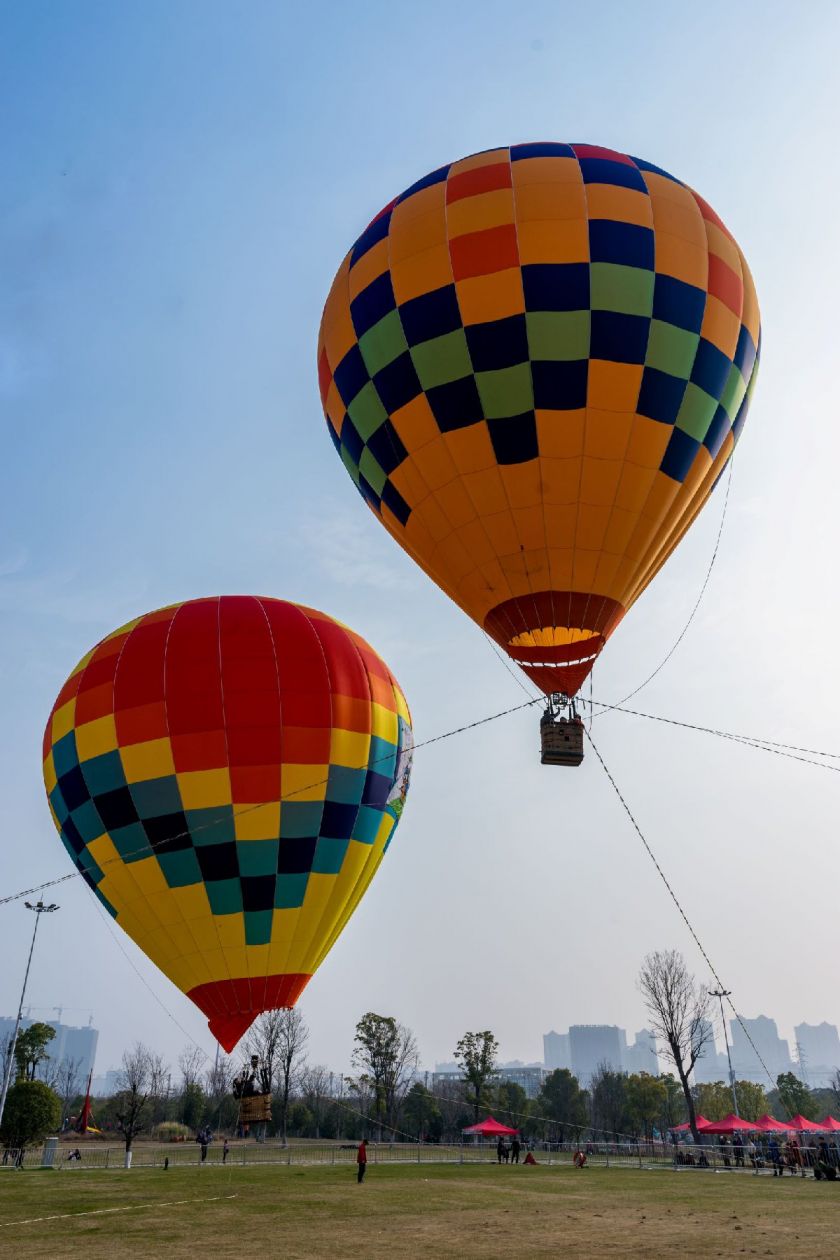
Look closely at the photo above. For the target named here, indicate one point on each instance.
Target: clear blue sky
(180, 181)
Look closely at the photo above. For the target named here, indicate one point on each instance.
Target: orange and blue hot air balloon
(227, 774)
(535, 364)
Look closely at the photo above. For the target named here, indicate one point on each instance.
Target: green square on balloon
(290, 891)
(224, 895)
(506, 391)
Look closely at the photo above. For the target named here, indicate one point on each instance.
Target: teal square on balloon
(65, 756)
(258, 927)
(224, 895)
(299, 819)
(181, 868)
(290, 891)
(131, 842)
(155, 797)
(344, 786)
(257, 857)
(104, 774)
(211, 826)
(329, 855)
(367, 824)
(87, 821)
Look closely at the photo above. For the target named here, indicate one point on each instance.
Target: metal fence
(251, 1154)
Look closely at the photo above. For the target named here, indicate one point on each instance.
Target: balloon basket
(561, 733)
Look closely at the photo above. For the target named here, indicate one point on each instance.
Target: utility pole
(39, 908)
(720, 994)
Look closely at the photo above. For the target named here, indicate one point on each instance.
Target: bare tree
(834, 1086)
(132, 1110)
(264, 1041)
(291, 1048)
(315, 1088)
(68, 1083)
(160, 1086)
(191, 1065)
(679, 1010)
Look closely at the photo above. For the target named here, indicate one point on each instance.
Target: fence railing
(250, 1153)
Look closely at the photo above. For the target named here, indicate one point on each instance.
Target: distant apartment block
(772, 1048)
(70, 1044)
(818, 1052)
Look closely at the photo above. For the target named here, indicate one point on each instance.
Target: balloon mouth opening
(554, 637)
(231, 1006)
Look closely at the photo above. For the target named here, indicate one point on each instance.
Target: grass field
(406, 1211)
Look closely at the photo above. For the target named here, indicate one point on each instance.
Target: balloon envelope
(535, 363)
(227, 774)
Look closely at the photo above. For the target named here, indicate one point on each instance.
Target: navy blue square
(116, 809)
(368, 493)
(434, 177)
(386, 447)
(338, 820)
(656, 170)
(619, 338)
(351, 440)
(560, 385)
(168, 833)
(514, 438)
(73, 788)
(372, 235)
(351, 375)
(295, 856)
(661, 395)
(745, 353)
(678, 303)
(499, 344)
(258, 892)
(716, 432)
(456, 404)
(430, 315)
(373, 303)
(741, 417)
(603, 171)
(518, 152)
(679, 455)
(71, 836)
(397, 383)
(393, 500)
(556, 286)
(711, 368)
(376, 790)
(218, 861)
(625, 243)
(335, 438)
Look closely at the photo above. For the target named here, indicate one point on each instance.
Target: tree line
(385, 1097)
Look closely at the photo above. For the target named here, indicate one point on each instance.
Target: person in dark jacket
(361, 1160)
(515, 1148)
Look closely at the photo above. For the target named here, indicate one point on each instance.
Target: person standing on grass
(225, 1151)
(500, 1149)
(515, 1148)
(361, 1160)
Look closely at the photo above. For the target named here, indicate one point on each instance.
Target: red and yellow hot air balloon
(227, 774)
(535, 363)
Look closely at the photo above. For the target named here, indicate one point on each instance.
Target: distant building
(556, 1050)
(774, 1050)
(70, 1044)
(642, 1055)
(712, 1064)
(593, 1046)
(818, 1051)
(107, 1084)
(529, 1076)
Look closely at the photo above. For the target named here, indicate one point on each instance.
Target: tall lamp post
(720, 994)
(39, 908)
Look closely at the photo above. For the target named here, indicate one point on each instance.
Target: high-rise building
(642, 1055)
(818, 1051)
(69, 1045)
(593, 1046)
(712, 1064)
(772, 1048)
(556, 1051)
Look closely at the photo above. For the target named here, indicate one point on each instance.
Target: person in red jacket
(361, 1160)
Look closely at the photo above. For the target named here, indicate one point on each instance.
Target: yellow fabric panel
(366, 269)
(560, 433)
(97, 737)
(150, 760)
(63, 720)
(613, 386)
(258, 821)
(421, 272)
(553, 242)
(608, 201)
(475, 214)
(201, 789)
(549, 203)
(546, 170)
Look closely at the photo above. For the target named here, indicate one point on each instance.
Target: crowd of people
(770, 1152)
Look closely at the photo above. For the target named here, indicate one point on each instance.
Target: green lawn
(486, 1211)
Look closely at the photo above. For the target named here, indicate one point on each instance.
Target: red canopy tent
(686, 1128)
(769, 1124)
(800, 1125)
(729, 1124)
(830, 1125)
(490, 1128)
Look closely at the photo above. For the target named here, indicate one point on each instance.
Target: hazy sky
(180, 182)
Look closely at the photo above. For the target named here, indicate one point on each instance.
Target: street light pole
(720, 994)
(39, 909)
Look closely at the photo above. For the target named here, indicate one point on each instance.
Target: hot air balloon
(226, 774)
(535, 364)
